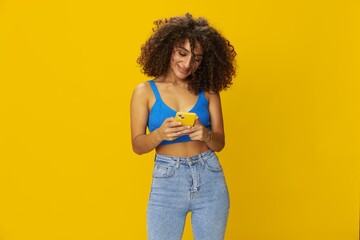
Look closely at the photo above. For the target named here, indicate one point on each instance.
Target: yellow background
(67, 71)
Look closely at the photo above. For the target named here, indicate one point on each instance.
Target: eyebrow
(198, 55)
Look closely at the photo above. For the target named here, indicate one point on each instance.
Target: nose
(188, 62)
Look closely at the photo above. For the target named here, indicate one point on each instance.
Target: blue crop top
(160, 111)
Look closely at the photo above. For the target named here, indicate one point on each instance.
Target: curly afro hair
(217, 68)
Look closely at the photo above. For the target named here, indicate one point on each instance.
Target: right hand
(170, 130)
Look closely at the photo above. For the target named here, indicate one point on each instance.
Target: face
(183, 61)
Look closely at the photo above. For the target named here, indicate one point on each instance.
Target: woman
(191, 63)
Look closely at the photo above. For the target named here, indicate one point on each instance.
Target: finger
(180, 128)
(169, 122)
(198, 122)
(174, 124)
(175, 134)
(186, 131)
(194, 136)
(175, 129)
(170, 119)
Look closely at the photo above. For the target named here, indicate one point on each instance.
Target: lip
(184, 70)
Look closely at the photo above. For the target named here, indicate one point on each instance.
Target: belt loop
(202, 162)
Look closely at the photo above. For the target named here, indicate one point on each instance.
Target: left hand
(199, 132)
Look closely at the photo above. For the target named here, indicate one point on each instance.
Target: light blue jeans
(194, 184)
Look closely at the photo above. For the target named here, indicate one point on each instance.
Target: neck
(171, 78)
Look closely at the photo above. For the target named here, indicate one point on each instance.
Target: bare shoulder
(142, 88)
(210, 95)
(143, 91)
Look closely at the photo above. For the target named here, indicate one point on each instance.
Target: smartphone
(186, 118)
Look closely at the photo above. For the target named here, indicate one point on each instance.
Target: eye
(182, 53)
(198, 59)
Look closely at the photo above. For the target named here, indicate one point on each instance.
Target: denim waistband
(193, 159)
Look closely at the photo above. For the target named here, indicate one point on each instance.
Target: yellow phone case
(186, 118)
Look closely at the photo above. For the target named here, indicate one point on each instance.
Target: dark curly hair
(217, 68)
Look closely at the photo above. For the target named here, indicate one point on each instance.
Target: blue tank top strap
(202, 94)
(160, 111)
(155, 90)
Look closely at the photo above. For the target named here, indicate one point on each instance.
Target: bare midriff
(183, 149)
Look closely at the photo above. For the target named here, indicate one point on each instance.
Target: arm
(139, 113)
(215, 141)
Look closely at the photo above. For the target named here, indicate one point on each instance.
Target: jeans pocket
(213, 164)
(163, 170)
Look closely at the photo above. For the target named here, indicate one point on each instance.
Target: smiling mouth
(184, 70)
